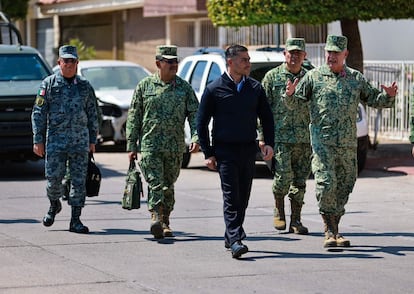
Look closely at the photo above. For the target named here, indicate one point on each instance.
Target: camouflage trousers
(292, 169)
(161, 171)
(56, 166)
(335, 170)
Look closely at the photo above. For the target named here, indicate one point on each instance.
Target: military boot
(167, 232)
(295, 223)
(279, 221)
(55, 208)
(76, 225)
(330, 232)
(340, 240)
(156, 223)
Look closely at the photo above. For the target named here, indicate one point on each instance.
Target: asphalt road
(120, 256)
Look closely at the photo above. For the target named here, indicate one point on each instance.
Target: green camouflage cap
(166, 51)
(336, 43)
(295, 44)
(68, 51)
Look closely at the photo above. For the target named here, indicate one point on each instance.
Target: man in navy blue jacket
(235, 102)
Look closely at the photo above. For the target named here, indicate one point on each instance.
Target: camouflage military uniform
(64, 118)
(292, 142)
(156, 120)
(334, 102)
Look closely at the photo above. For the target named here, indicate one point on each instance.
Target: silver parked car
(114, 82)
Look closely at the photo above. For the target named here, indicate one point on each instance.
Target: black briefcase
(93, 178)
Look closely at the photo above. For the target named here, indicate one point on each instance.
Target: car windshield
(114, 77)
(22, 67)
(258, 70)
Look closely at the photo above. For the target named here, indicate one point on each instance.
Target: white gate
(392, 123)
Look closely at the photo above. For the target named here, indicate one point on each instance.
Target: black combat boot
(55, 208)
(76, 225)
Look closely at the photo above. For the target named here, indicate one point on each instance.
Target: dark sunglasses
(69, 60)
(170, 61)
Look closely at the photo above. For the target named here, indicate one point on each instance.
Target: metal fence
(392, 123)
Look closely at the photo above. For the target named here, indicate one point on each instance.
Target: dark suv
(22, 69)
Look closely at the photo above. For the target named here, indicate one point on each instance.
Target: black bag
(133, 188)
(93, 178)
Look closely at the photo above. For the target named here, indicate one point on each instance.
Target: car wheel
(362, 151)
(186, 158)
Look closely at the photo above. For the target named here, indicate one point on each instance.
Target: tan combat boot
(340, 240)
(279, 220)
(295, 223)
(167, 232)
(330, 233)
(156, 223)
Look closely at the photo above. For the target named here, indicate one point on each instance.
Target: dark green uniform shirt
(157, 115)
(334, 102)
(291, 125)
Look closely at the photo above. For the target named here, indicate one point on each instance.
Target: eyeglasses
(69, 60)
(170, 61)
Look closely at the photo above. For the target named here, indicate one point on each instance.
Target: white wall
(384, 40)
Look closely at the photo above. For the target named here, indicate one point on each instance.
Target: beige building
(130, 29)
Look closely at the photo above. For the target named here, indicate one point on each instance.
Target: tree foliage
(15, 9)
(236, 13)
(84, 52)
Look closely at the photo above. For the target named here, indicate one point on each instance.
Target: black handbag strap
(91, 158)
(132, 165)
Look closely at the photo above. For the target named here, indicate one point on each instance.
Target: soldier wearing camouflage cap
(65, 128)
(292, 141)
(155, 127)
(333, 92)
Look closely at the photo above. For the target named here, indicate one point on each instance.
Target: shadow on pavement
(19, 221)
(391, 159)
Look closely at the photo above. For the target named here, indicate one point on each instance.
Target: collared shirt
(240, 84)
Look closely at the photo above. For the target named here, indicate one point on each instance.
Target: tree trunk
(350, 29)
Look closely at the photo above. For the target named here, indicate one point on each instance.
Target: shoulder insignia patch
(40, 101)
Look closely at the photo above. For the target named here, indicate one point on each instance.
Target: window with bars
(196, 32)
